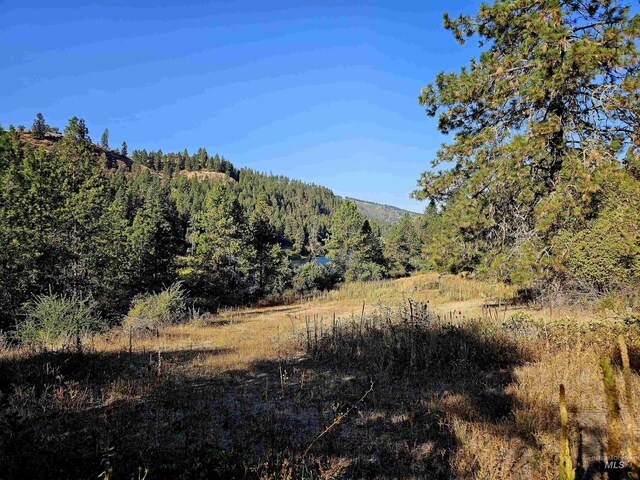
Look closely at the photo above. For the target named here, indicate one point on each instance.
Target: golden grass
(519, 442)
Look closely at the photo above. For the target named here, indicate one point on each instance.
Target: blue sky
(325, 92)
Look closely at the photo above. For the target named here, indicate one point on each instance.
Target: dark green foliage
(355, 250)
(403, 247)
(299, 212)
(272, 272)
(368, 261)
(39, 128)
(312, 277)
(72, 224)
(545, 129)
(71, 227)
(217, 268)
(104, 140)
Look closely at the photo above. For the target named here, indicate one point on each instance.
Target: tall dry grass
(286, 391)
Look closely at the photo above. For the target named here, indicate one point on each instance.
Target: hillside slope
(383, 214)
(207, 168)
(112, 159)
(207, 175)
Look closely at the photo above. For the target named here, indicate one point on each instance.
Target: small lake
(298, 262)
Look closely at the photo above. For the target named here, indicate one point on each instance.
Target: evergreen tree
(368, 262)
(155, 236)
(39, 127)
(271, 263)
(72, 227)
(403, 247)
(83, 188)
(315, 236)
(76, 135)
(124, 151)
(104, 140)
(353, 247)
(299, 239)
(31, 206)
(549, 105)
(345, 234)
(201, 158)
(218, 265)
(216, 163)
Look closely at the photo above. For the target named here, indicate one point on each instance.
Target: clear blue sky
(325, 92)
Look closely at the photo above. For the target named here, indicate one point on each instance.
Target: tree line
(71, 224)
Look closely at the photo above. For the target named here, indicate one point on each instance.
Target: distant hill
(383, 214)
(322, 200)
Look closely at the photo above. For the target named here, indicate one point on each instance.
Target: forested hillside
(83, 221)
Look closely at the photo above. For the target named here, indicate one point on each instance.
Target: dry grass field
(422, 377)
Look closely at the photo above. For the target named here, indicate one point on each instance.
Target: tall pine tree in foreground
(545, 128)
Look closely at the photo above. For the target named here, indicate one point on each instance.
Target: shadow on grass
(76, 416)
(427, 373)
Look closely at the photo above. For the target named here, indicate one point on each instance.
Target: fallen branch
(339, 419)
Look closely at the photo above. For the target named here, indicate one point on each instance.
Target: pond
(298, 262)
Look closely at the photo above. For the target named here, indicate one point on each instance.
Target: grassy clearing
(423, 377)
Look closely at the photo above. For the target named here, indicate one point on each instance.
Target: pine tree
(219, 261)
(201, 158)
(124, 150)
(299, 239)
(39, 127)
(154, 237)
(551, 102)
(271, 264)
(368, 261)
(104, 140)
(216, 163)
(403, 246)
(345, 234)
(31, 207)
(353, 247)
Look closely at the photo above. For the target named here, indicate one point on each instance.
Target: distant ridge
(383, 214)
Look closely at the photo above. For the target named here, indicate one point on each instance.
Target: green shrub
(58, 321)
(154, 311)
(312, 277)
(364, 272)
(5, 341)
